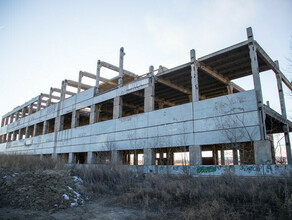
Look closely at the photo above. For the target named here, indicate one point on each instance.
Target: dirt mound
(39, 189)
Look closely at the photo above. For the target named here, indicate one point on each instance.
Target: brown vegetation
(174, 197)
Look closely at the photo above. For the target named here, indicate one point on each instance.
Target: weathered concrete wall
(218, 120)
(237, 170)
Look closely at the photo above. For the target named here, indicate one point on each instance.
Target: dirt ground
(55, 194)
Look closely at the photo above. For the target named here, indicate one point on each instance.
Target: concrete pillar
(97, 76)
(149, 93)
(121, 67)
(35, 130)
(63, 90)
(46, 127)
(89, 157)
(79, 81)
(30, 107)
(20, 134)
(27, 131)
(194, 77)
(23, 112)
(14, 136)
(49, 101)
(93, 114)
(116, 157)
(3, 122)
(11, 118)
(59, 123)
(262, 152)
(71, 158)
(235, 156)
(17, 116)
(39, 102)
(215, 155)
(195, 155)
(75, 118)
(118, 107)
(222, 157)
(257, 82)
(149, 157)
(135, 157)
(284, 114)
(41, 156)
(229, 89)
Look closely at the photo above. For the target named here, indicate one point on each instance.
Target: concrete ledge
(204, 170)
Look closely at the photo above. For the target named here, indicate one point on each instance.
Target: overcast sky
(45, 42)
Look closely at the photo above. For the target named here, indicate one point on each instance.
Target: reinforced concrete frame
(148, 119)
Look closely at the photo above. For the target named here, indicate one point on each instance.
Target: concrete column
(3, 122)
(195, 155)
(79, 81)
(46, 127)
(17, 116)
(23, 113)
(75, 118)
(35, 130)
(118, 107)
(97, 76)
(14, 136)
(27, 131)
(215, 155)
(41, 156)
(194, 77)
(63, 90)
(235, 156)
(71, 158)
(49, 101)
(284, 114)
(257, 82)
(93, 114)
(89, 157)
(116, 157)
(229, 89)
(222, 157)
(262, 152)
(7, 120)
(11, 118)
(121, 67)
(39, 103)
(59, 123)
(149, 157)
(20, 134)
(135, 157)
(149, 93)
(30, 109)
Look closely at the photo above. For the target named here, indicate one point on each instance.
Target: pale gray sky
(44, 42)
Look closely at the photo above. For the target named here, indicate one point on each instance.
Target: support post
(195, 155)
(121, 67)
(257, 83)
(222, 156)
(149, 93)
(118, 107)
(63, 90)
(229, 89)
(79, 81)
(115, 158)
(89, 157)
(39, 102)
(284, 114)
(27, 131)
(49, 101)
(97, 77)
(46, 127)
(93, 114)
(75, 118)
(35, 130)
(194, 76)
(149, 157)
(71, 158)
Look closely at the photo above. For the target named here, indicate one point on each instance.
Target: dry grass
(28, 162)
(186, 197)
(181, 196)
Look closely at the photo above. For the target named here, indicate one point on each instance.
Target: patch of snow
(69, 188)
(78, 181)
(56, 205)
(4, 177)
(65, 197)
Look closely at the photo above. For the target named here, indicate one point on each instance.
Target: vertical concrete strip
(149, 92)
(97, 77)
(262, 152)
(121, 67)
(194, 151)
(257, 82)
(284, 114)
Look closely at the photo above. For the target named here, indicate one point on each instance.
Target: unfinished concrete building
(147, 119)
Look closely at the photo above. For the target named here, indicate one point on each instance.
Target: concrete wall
(208, 171)
(219, 120)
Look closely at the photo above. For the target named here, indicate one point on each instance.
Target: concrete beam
(121, 67)
(116, 69)
(74, 84)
